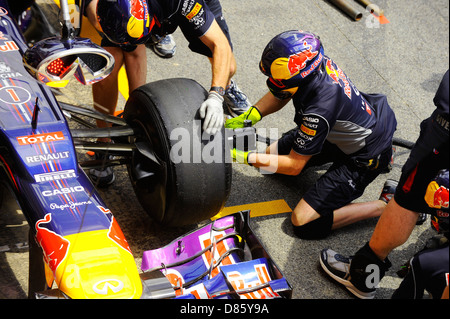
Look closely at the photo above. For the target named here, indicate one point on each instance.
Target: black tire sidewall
(196, 190)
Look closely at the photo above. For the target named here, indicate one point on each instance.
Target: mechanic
(127, 24)
(429, 155)
(429, 269)
(335, 123)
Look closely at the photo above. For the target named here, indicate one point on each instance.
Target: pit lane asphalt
(404, 59)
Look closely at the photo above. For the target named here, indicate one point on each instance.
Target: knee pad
(367, 270)
(317, 229)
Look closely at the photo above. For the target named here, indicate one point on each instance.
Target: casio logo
(62, 191)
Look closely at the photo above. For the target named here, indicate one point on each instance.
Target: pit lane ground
(404, 58)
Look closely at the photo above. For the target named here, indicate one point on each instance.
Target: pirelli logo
(194, 11)
(308, 131)
(53, 176)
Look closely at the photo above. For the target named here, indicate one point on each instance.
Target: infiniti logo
(103, 286)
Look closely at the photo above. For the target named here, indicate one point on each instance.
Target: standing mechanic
(429, 269)
(125, 24)
(336, 123)
(429, 155)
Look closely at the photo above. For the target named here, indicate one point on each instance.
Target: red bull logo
(115, 233)
(436, 196)
(54, 246)
(137, 9)
(297, 62)
(285, 68)
(139, 18)
(441, 197)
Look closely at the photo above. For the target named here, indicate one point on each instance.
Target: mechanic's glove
(252, 114)
(212, 113)
(240, 156)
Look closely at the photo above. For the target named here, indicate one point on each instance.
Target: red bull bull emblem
(437, 196)
(54, 246)
(139, 19)
(297, 62)
(137, 9)
(115, 233)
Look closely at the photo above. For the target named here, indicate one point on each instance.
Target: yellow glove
(239, 156)
(252, 114)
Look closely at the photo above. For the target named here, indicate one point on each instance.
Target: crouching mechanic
(430, 154)
(335, 123)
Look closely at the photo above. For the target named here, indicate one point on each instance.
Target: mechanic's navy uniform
(193, 17)
(339, 124)
(429, 155)
(429, 269)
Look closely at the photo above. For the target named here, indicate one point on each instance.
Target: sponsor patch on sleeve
(194, 11)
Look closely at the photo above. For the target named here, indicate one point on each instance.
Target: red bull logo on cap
(297, 62)
(285, 68)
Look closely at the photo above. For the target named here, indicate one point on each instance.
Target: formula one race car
(76, 245)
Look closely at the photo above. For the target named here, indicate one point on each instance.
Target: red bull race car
(76, 247)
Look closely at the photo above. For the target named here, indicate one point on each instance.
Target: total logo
(41, 138)
(62, 191)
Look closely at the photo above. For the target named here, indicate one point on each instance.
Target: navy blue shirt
(330, 108)
(192, 16)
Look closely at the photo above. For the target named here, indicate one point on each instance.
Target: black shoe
(338, 268)
(102, 177)
(422, 218)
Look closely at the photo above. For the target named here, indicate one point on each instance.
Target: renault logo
(102, 287)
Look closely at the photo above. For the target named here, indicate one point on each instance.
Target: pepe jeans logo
(69, 205)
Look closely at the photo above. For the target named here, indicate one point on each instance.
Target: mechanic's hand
(212, 112)
(240, 156)
(252, 114)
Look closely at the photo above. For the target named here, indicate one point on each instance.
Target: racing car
(76, 247)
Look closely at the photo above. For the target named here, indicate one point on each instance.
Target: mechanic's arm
(221, 62)
(268, 104)
(91, 14)
(222, 56)
(291, 164)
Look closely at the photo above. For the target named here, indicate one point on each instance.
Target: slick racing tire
(180, 175)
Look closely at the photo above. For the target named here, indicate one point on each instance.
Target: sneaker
(388, 190)
(235, 100)
(102, 177)
(338, 268)
(391, 162)
(164, 47)
(422, 218)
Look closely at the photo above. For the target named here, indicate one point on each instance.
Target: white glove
(212, 113)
